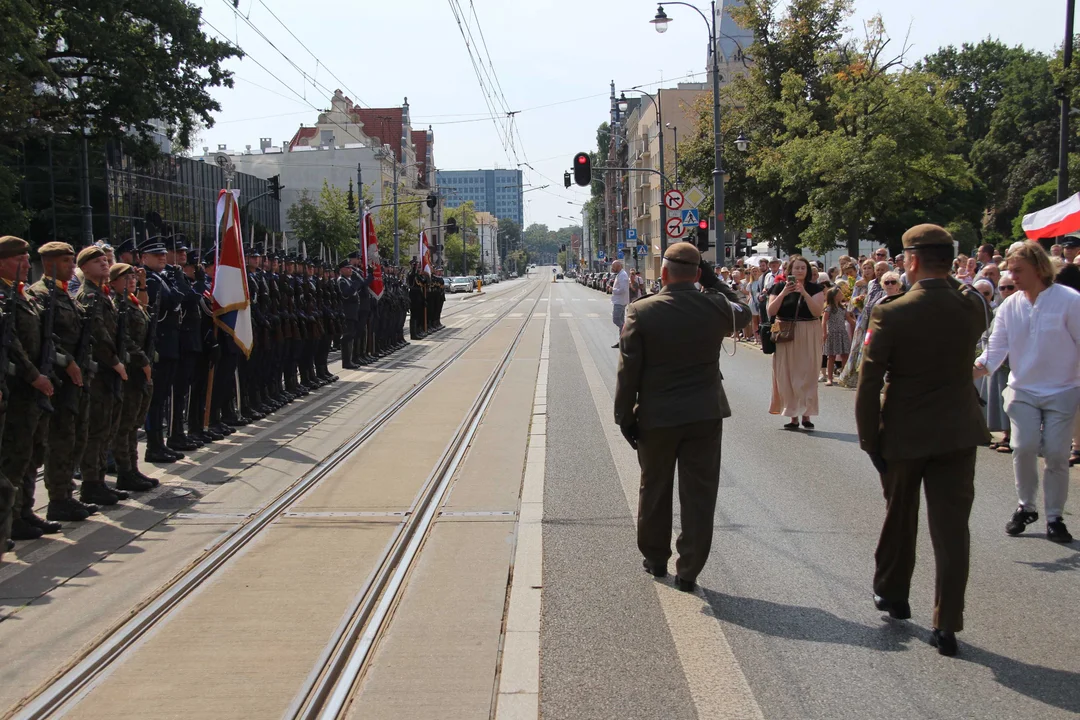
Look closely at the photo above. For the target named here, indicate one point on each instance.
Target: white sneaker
(822, 378)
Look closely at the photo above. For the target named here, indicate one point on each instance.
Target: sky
(548, 61)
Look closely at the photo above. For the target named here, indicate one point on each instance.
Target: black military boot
(22, 530)
(46, 526)
(131, 482)
(154, 482)
(159, 455)
(181, 443)
(67, 510)
(97, 493)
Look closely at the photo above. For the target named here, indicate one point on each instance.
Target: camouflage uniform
(136, 401)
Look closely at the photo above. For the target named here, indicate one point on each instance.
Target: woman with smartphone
(796, 303)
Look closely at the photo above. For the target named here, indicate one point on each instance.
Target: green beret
(926, 235)
(10, 246)
(55, 249)
(119, 270)
(89, 253)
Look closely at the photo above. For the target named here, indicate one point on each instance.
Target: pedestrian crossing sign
(690, 217)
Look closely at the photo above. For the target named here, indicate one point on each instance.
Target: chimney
(205, 149)
(221, 148)
(265, 143)
(247, 149)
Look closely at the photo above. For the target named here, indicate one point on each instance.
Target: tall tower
(734, 43)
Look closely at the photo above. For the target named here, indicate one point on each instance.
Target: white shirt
(1041, 341)
(620, 291)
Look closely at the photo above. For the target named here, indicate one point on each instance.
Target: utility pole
(397, 241)
(360, 208)
(1063, 148)
(87, 211)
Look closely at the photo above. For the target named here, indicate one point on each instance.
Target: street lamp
(660, 22)
(623, 103)
(742, 143)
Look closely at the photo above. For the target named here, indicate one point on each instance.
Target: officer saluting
(927, 427)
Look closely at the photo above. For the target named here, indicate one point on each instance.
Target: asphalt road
(786, 595)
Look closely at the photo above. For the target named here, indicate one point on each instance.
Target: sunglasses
(892, 282)
(1006, 287)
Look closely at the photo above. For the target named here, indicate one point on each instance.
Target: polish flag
(231, 301)
(425, 253)
(369, 255)
(1054, 221)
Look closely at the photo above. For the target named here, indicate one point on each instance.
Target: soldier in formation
(88, 358)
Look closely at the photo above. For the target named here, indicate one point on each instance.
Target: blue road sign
(599, 254)
(690, 218)
(619, 255)
(621, 245)
(631, 234)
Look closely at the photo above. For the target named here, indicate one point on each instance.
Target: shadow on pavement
(1059, 688)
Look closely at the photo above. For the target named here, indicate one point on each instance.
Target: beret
(55, 249)
(684, 253)
(89, 253)
(927, 235)
(119, 270)
(10, 246)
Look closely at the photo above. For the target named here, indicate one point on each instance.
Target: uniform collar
(679, 287)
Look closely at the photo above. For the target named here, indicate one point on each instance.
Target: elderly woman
(993, 386)
(890, 281)
(799, 302)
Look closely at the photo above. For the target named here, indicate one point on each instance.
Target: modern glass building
(495, 191)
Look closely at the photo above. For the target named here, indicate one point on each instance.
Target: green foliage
(965, 235)
(109, 68)
(452, 251)
(509, 237)
(408, 228)
(560, 260)
(1039, 197)
(324, 224)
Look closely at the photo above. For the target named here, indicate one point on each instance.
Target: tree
(452, 251)
(408, 228)
(509, 237)
(325, 224)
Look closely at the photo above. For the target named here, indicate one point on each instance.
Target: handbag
(784, 330)
(768, 347)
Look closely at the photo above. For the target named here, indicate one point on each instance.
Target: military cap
(177, 243)
(256, 251)
(209, 257)
(926, 235)
(10, 246)
(89, 253)
(152, 246)
(1070, 241)
(55, 249)
(684, 253)
(354, 255)
(128, 246)
(119, 270)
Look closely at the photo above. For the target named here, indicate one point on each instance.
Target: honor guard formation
(110, 341)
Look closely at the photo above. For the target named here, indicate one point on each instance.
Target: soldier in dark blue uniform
(167, 301)
(181, 277)
(350, 303)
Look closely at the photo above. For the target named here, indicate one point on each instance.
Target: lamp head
(623, 102)
(660, 22)
(742, 143)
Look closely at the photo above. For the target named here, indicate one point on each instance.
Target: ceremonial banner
(1054, 221)
(425, 253)
(231, 301)
(369, 255)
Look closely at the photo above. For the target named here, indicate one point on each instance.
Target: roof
(381, 123)
(301, 134)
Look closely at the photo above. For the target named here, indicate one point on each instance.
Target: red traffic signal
(702, 239)
(703, 224)
(582, 169)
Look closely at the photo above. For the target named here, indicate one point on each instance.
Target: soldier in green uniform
(138, 388)
(106, 389)
(73, 353)
(925, 430)
(28, 406)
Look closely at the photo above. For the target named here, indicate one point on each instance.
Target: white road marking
(594, 315)
(566, 315)
(717, 684)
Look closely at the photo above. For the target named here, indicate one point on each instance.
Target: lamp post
(1063, 148)
(660, 22)
(663, 169)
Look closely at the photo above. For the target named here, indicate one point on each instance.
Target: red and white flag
(231, 301)
(425, 253)
(369, 255)
(1054, 221)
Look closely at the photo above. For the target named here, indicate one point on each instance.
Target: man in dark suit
(926, 428)
(670, 405)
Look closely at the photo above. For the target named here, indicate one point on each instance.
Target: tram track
(343, 660)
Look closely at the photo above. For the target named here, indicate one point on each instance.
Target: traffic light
(702, 238)
(566, 179)
(582, 169)
(275, 187)
(432, 200)
(451, 226)
(562, 248)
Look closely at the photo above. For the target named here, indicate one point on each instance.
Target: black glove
(630, 432)
(879, 462)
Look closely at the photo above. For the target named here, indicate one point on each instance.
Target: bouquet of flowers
(858, 303)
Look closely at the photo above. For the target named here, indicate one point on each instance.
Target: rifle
(121, 340)
(83, 357)
(48, 347)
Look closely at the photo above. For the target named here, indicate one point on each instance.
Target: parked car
(460, 284)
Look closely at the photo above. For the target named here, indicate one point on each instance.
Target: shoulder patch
(866, 338)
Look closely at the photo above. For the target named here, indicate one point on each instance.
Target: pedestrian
(1038, 330)
(926, 430)
(670, 405)
(620, 295)
(797, 303)
(997, 420)
(834, 331)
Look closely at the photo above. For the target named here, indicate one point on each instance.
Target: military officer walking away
(138, 388)
(670, 405)
(106, 389)
(927, 429)
(72, 348)
(28, 391)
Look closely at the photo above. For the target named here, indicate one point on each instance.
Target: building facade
(498, 192)
(487, 234)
